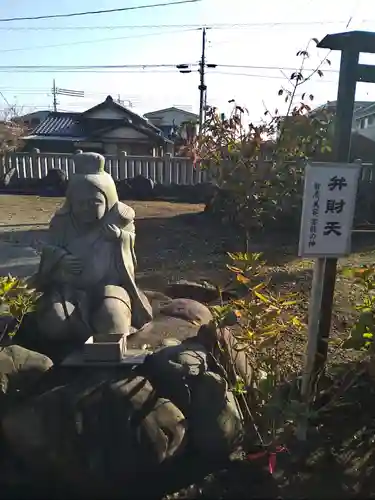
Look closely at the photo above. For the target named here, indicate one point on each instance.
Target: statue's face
(89, 207)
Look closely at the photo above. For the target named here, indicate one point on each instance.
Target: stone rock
(205, 191)
(97, 431)
(171, 367)
(142, 187)
(181, 192)
(102, 427)
(161, 328)
(220, 341)
(54, 183)
(161, 191)
(188, 309)
(10, 178)
(124, 190)
(222, 205)
(21, 368)
(170, 342)
(157, 300)
(216, 427)
(201, 292)
(182, 374)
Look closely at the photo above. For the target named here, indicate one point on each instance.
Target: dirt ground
(174, 242)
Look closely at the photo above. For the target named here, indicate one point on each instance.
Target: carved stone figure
(87, 269)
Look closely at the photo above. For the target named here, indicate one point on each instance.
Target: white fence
(164, 170)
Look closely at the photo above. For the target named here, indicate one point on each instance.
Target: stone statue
(87, 269)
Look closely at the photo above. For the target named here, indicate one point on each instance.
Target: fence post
(122, 165)
(3, 163)
(168, 168)
(35, 164)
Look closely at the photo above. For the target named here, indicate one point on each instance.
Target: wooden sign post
(351, 44)
(326, 225)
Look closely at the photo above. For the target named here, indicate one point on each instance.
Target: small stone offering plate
(105, 348)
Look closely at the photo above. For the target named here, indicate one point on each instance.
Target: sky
(276, 31)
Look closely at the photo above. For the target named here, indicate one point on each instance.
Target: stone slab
(18, 260)
(132, 357)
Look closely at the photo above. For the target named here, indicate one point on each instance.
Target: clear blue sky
(254, 46)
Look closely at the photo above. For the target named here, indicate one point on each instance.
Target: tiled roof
(172, 108)
(359, 106)
(61, 124)
(80, 125)
(133, 119)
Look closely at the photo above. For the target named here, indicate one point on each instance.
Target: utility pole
(185, 68)
(202, 86)
(54, 93)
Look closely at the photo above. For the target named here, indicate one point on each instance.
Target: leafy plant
(16, 300)
(362, 333)
(258, 167)
(265, 318)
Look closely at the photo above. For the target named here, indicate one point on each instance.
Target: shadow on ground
(280, 249)
(193, 246)
(338, 458)
(188, 246)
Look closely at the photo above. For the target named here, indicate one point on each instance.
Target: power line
(271, 77)
(141, 68)
(329, 70)
(100, 40)
(101, 66)
(95, 12)
(83, 69)
(138, 72)
(5, 99)
(174, 26)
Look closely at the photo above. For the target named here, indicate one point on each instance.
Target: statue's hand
(111, 232)
(72, 264)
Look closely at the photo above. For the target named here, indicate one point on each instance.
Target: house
(363, 117)
(107, 128)
(363, 129)
(31, 120)
(360, 148)
(171, 120)
(364, 121)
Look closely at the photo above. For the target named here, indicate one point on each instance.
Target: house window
(370, 120)
(362, 123)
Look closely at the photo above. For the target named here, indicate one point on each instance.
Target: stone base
(110, 348)
(132, 357)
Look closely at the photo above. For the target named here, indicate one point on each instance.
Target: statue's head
(90, 195)
(88, 163)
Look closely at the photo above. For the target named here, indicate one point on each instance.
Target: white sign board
(328, 209)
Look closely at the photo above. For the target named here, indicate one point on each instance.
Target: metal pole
(202, 86)
(341, 151)
(54, 92)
